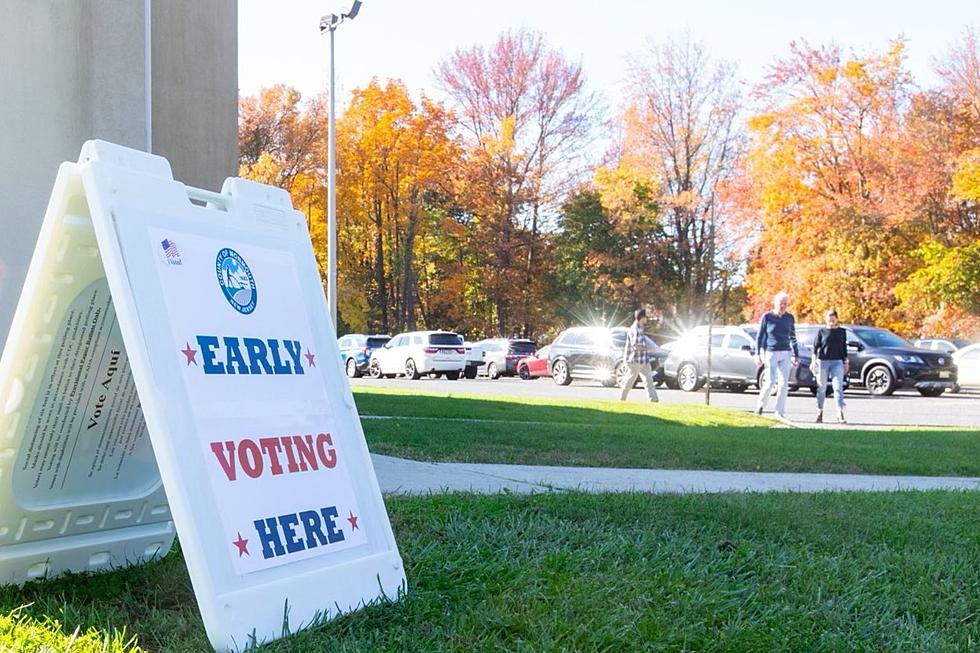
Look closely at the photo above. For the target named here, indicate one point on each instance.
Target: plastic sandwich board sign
(172, 367)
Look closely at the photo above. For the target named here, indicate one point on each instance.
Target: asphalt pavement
(904, 408)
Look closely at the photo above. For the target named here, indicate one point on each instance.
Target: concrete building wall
(72, 70)
(195, 74)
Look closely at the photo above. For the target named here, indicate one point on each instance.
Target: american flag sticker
(170, 252)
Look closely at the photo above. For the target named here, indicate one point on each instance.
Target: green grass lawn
(778, 572)
(674, 436)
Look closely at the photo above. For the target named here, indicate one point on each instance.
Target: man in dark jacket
(777, 350)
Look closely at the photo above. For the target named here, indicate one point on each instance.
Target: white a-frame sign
(172, 364)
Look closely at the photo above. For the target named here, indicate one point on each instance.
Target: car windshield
(445, 339)
(880, 337)
(376, 342)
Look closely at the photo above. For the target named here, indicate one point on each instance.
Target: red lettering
(305, 450)
(287, 443)
(328, 457)
(271, 447)
(303, 453)
(253, 467)
(227, 464)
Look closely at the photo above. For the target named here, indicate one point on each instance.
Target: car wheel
(470, 373)
(813, 391)
(931, 392)
(452, 376)
(738, 388)
(687, 378)
(410, 370)
(351, 368)
(559, 372)
(763, 379)
(955, 388)
(374, 369)
(492, 371)
(524, 373)
(879, 381)
(622, 369)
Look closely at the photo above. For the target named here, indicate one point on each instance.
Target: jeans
(777, 365)
(834, 370)
(637, 370)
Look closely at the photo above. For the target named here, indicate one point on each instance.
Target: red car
(535, 365)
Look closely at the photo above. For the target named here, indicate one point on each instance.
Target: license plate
(944, 375)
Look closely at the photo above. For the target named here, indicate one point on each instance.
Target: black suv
(883, 362)
(594, 354)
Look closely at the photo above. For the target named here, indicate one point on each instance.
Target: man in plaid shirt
(637, 355)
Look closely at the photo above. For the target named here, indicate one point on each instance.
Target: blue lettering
(207, 343)
(288, 523)
(282, 535)
(234, 356)
(295, 351)
(278, 367)
(329, 514)
(313, 527)
(269, 536)
(256, 356)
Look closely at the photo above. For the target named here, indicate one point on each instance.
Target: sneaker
(841, 419)
(819, 417)
(758, 410)
(781, 417)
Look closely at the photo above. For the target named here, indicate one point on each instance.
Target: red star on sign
(353, 522)
(191, 354)
(309, 358)
(242, 545)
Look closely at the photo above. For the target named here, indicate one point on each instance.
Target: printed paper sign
(276, 460)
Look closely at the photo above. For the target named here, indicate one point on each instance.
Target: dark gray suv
(883, 362)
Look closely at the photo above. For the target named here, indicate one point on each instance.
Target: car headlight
(909, 358)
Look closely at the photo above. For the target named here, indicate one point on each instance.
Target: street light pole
(332, 198)
(711, 308)
(329, 23)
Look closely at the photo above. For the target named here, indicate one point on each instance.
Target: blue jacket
(777, 333)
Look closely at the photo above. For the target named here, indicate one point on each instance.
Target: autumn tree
(396, 161)
(817, 184)
(526, 115)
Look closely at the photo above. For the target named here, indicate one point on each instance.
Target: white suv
(420, 352)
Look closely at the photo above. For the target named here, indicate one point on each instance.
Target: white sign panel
(220, 324)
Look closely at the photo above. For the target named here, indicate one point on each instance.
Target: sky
(279, 40)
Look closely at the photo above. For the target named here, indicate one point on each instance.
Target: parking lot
(904, 408)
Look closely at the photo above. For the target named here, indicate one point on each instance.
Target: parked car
(355, 351)
(883, 362)
(475, 358)
(733, 361)
(501, 355)
(535, 365)
(420, 352)
(967, 361)
(592, 353)
(947, 345)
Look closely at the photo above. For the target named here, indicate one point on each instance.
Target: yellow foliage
(966, 178)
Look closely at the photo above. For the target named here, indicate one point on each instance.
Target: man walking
(776, 349)
(637, 356)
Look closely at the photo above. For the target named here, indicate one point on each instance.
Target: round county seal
(236, 280)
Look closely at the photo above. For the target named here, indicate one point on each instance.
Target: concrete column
(73, 70)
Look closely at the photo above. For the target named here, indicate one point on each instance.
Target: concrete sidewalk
(398, 475)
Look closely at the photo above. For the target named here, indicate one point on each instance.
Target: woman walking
(830, 362)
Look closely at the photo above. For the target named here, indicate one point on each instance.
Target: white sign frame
(129, 194)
